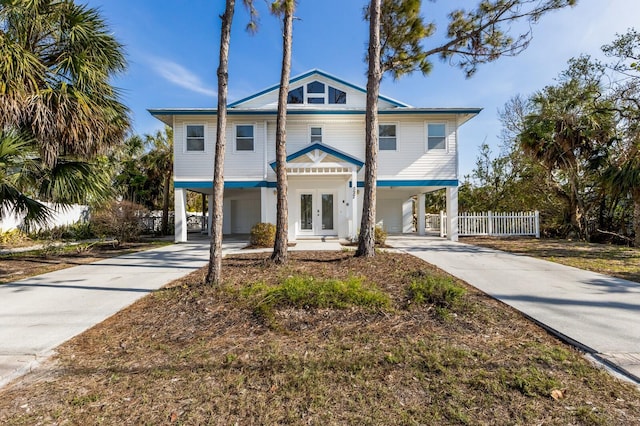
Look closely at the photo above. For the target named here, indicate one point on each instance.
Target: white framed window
(194, 138)
(315, 134)
(316, 92)
(387, 137)
(436, 137)
(245, 137)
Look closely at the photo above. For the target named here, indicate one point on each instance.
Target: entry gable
(319, 155)
(315, 90)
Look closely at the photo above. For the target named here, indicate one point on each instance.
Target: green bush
(306, 292)
(263, 234)
(379, 235)
(120, 220)
(440, 291)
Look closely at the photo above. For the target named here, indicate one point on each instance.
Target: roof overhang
(166, 114)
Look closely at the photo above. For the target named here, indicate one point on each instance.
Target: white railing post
(489, 222)
(443, 225)
(537, 223)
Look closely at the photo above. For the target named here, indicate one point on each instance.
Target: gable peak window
(296, 96)
(316, 92)
(195, 138)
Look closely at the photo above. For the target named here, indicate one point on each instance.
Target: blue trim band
(228, 184)
(213, 112)
(412, 183)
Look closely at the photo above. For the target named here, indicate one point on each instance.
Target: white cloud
(180, 76)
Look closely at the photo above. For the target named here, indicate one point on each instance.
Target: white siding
(345, 132)
(193, 165)
(411, 160)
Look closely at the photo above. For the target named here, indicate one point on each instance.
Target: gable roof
(320, 73)
(324, 148)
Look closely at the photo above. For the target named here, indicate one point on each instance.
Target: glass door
(306, 213)
(317, 213)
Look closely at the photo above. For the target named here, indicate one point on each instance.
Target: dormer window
(316, 93)
(296, 96)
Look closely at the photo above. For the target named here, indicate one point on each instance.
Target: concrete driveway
(39, 313)
(597, 312)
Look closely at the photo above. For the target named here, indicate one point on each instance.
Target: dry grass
(617, 261)
(190, 354)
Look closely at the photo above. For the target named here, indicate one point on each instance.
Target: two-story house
(418, 153)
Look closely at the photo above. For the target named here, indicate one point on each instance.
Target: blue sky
(172, 49)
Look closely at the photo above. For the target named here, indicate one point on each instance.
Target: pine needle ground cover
(327, 339)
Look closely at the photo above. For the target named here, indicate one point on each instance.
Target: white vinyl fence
(488, 223)
(67, 215)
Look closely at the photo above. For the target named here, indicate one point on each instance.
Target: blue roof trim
(308, 74)
(325, 148)
(213, 112)
(228, 184)
(410, 183)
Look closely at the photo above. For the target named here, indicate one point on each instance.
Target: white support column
(209, 213)
(354, 204)
(407, 217)
(180, 205)
(452, 213)
(420, 214)
(264, 204)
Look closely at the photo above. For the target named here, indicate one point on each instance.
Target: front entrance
(317, 211)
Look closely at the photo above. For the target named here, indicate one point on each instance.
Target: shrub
(440, 291)
(12, 236)
(303, 292)
(263, 234)
(379, 236)
(120, 220)
(80, 230)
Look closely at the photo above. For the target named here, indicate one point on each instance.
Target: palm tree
(286, 9)
(25, 179)
(570, 125)
(159, 164)
(14, 159)
(58, 59)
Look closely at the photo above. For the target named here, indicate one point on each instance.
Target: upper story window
(195, 137)
(337, 96)
(316, 135)
(316, 93)
(244, 137)
(436, 137)
(296, 96)
(387, 139)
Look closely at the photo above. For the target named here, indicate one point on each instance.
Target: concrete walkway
(597, 312)
(39, 313)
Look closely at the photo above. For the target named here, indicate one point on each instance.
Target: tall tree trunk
(164, 226)
(214, 273)
(366, 239)
(635, 194)
(279, 255)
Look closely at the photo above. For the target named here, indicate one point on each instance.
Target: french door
(317, 209)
